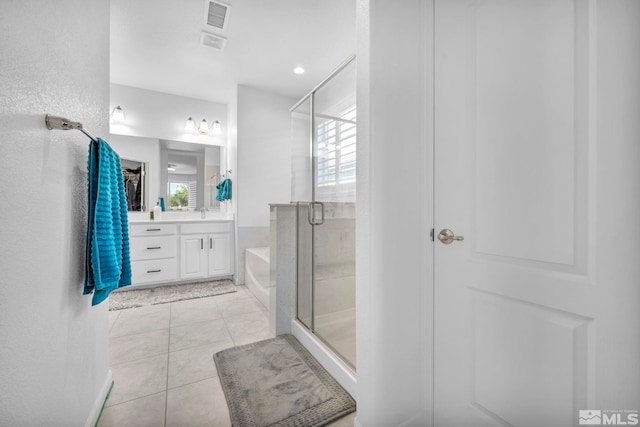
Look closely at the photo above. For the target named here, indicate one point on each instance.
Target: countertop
(177, 220)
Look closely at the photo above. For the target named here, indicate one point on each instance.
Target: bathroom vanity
(180, 250)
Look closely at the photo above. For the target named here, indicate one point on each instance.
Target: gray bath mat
(163, 294)
(277, 383)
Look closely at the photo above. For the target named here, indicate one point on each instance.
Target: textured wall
(55, 59)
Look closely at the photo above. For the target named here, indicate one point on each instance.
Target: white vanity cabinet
(179, 251)
(206, 250)
(154, 253)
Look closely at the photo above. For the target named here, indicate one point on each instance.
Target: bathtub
(256, 273)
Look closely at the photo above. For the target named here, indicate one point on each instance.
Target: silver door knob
(447, 237)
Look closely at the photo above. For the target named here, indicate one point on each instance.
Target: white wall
(231, 157)
(152, 114)
(53, 352)
(264, 164)
(394, 214)
(264, 154)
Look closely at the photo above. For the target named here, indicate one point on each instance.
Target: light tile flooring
(161, 358)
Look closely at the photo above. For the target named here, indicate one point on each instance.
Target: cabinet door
(219, 254)
(193, 258)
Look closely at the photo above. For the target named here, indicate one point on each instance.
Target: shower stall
(324, 190)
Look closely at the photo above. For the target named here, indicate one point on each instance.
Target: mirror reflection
(181, 175)
(189, 175)
(135, 184)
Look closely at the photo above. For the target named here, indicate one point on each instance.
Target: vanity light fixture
(118, 114)
(171, 167)
(204, 127)
(190, 125)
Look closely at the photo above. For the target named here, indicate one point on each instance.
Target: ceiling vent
(213, 41)
(216, 14)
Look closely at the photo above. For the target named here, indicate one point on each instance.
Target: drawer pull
(154, 271)
(210, 243)
(153, 229)
(155, 247)
(201, 244)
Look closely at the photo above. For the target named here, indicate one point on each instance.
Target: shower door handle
(311, 213)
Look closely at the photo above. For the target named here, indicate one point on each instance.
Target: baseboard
(101, 400)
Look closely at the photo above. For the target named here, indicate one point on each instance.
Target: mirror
(189, 175)
(197, 172)
(135, 176)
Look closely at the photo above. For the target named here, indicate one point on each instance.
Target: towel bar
(61, 123)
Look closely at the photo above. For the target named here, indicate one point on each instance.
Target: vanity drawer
(207, 227)
(153, 247)
(155, 270)
(152, 229)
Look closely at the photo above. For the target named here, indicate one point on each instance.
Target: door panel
(218, 257)
(527, 354)
(528, 73)
(515, 311)
(193, 257)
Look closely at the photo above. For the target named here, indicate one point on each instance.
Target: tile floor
(161, 358)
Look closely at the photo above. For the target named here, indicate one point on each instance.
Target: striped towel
(108, 265)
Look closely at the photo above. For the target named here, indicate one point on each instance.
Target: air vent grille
(213, 41)
(217, 14)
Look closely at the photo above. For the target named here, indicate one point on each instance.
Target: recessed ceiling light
(298, 70)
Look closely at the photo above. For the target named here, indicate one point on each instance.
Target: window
(182, 195)
(336, 151)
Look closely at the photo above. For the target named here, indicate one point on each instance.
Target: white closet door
(536, 310)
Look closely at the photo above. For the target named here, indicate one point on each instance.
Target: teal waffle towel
(224, 190)
(108, 265)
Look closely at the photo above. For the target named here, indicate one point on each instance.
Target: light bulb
(217, 127)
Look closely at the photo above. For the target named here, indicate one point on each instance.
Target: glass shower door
(334, 158)
(324, 179)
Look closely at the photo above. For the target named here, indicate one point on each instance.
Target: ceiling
(155, 45)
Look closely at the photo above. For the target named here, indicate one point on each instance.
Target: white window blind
(336, 149)
(193, 188)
